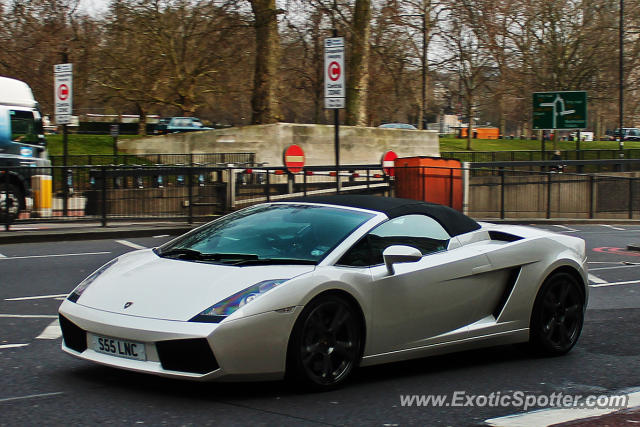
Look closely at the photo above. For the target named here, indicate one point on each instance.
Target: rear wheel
(558, 315)
(326, 343)
(11, 201)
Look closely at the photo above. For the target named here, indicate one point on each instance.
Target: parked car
(314, 287)
(628, 134)
(179, 124)
(398, 126)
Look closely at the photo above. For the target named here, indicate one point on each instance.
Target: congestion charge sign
(334, 81)
(63, 92)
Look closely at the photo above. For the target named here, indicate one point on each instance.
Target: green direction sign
(560, 110)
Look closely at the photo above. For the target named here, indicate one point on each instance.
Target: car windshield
(268, 234)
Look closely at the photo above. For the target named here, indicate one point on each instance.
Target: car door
(429, 301)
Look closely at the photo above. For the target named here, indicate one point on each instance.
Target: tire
(10, 194)
(325, 345)
(558, 316)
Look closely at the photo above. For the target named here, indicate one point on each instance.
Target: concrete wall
(358, 145)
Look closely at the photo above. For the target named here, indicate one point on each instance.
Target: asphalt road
(41, 385)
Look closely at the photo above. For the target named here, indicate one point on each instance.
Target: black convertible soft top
(453, 221)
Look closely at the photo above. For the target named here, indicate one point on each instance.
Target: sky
(94, 7)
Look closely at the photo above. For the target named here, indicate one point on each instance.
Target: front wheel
(11, 201)
(326, 343)
(558, 315)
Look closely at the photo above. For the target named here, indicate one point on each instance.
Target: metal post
(304, 182)
(268, 186)
(451, 187)
(631, 179)
(336, 125)
(501, 193)
(7, 220)
(591, 195)
(103, 170)
(549, 195)
(190, 193)
(65, 159)
(621, 77)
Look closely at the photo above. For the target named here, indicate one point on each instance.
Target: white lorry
(22, 146)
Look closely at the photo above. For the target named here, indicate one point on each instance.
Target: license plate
(119, 348)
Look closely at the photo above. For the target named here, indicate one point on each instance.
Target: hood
(171, 289)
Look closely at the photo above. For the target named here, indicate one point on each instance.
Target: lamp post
(423, 102)
(621, 78)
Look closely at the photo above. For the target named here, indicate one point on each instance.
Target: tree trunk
(264, 101)
(470, 119)
(358, 72)
(142, 121)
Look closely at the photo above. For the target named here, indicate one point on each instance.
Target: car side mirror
(400, 253)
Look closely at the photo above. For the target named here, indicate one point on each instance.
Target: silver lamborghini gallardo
(315, 287)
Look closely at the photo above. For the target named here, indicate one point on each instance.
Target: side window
(419, 231)
(23, 127)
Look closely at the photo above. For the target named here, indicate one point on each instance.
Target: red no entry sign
(388, 163)
(294, 158)
(63, 92)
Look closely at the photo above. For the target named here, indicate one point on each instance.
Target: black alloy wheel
(558, 315)
(326, 343)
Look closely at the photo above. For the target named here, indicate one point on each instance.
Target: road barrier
(200, 193)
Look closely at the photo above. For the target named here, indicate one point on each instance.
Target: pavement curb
(92, 233)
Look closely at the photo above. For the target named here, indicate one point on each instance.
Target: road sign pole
(65, 156)
(63, 95)
(336, 126)
(336, 137)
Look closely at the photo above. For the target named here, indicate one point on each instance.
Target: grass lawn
(83, 144)
(455, 144)
(96, 145)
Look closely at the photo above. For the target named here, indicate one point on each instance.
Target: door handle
(481, 269)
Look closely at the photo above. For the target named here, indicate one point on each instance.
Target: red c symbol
(63, 92)
(334, 71)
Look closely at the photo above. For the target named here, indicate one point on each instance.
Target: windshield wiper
(276, 261)
(183, 253)
(191, 254)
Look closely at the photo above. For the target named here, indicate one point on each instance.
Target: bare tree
(264, 101)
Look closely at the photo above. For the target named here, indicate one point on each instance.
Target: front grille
(190, 355)
(74, 337)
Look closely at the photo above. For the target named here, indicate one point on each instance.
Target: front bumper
(248, 348)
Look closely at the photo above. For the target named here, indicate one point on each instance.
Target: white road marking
(603, 262)
(12, 346)
(630, 282)
(130, 244)
(51, 332)
(2, 256)
(14, 228)
(546, 417)
(565, 227)
(614, 267)
(55, 255)
(56, 296)
(29, 316)
(596, 279)
(161, 235)
(31, 396)
(612, 227)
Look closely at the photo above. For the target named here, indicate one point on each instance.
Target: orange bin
(431, 179)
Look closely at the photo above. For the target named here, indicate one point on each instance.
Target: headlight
(75, 294)
(216, 313)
